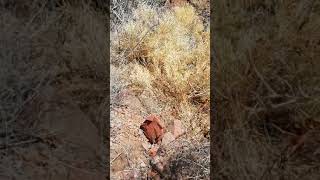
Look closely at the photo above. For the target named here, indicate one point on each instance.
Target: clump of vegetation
(168, 54)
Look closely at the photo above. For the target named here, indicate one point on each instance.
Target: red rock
(155, 118)
(153, 129)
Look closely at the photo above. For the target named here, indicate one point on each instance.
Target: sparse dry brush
(167, 53)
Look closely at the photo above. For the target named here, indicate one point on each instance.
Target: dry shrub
(168, 53)
(190, 162)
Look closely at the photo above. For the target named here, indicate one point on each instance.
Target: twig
(115, 158)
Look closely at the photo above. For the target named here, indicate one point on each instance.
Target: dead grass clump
(168, 52)
(191, 161)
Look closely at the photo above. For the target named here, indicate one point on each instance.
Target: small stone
(178, 128)
(168, 137)
(153, 151)
(146, 145)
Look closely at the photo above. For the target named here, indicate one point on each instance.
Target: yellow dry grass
(168, 52)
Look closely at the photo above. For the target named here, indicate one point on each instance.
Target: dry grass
(170, 50)
(266, 90)
(190, 162)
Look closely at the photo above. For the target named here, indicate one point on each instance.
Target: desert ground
(160, 63)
